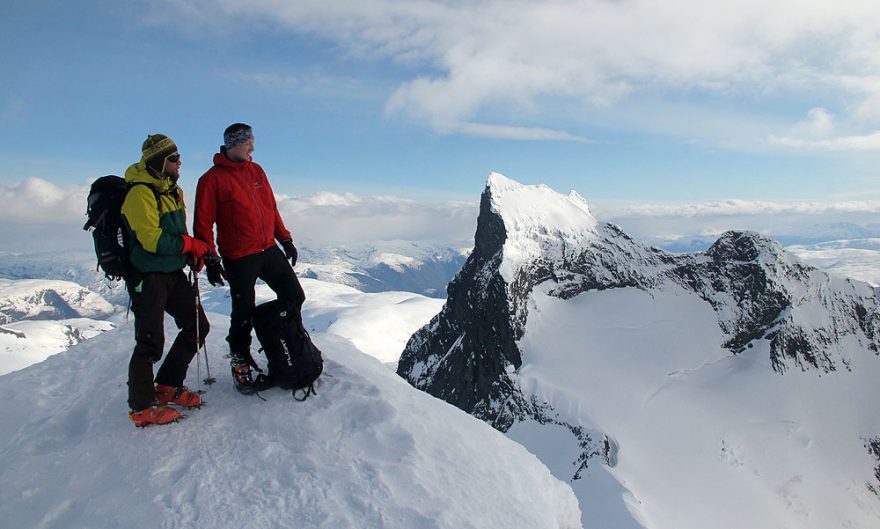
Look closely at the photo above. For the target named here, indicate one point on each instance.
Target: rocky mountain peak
(531, 235)
(742, 246)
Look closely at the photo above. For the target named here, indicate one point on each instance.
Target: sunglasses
(174, 158)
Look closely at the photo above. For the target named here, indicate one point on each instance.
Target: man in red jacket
(235, 195)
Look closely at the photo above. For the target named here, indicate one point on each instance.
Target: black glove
(289, 251)
(216, 274)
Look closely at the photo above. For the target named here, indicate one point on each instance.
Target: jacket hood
(221, 159)
(137, 172)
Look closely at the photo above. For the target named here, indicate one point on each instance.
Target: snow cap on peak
(538, 221)
(498, 184)
(576, 197)
(537, 206)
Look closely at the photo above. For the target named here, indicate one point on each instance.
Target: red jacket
(237, 196)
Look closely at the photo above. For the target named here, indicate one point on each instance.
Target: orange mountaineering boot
(180, 396)
(153, 415)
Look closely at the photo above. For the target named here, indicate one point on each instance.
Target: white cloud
(308, 83)
(41, 215)
(515, 133)
(736, 207)
(495, 62)
(661, 224)
(345, 219)
(868, 142)
(819, 124)
(38, 201)
(818, 132)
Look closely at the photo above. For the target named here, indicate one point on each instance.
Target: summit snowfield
(368, 451)
(725, 389)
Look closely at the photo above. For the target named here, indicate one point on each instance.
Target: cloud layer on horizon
(37, 206)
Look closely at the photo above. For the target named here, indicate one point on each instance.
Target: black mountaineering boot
(241, 376)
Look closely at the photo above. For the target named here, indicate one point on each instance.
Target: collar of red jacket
(221, 159)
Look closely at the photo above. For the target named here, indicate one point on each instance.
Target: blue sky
(622, 101)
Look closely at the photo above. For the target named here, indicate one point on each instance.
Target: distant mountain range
(423, 268)
(39, 318)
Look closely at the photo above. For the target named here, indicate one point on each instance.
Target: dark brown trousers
(160, 293)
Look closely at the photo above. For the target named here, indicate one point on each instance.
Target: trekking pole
(198, 355)
(209, 380)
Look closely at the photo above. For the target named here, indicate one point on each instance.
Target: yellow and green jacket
(154, 231)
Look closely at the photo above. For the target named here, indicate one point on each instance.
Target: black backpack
(294, 361)
(104, 211)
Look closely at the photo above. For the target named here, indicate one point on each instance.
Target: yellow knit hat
(156, 148)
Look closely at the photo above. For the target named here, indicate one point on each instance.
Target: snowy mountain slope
(705, 438)
(41, 299)
(644, 369)
(27, 342)
(378, 324)
(421, 267)
(44, 317)
(367, 451)
(424, 268)
(77, 267)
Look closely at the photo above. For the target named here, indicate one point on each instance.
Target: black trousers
(271, 266)
(160, 293)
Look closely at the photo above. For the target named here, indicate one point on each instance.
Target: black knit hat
(156, 148)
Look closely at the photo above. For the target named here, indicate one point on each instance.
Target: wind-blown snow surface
(367, 451)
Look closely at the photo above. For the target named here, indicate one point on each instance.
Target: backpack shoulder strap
(152, 188)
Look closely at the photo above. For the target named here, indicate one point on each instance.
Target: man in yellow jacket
(160, 248)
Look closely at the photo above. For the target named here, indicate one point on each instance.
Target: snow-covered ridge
(537, 223)
(366, 451)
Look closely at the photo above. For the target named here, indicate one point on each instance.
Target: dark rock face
(468, 354)
(474, 336)
(873, 447)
